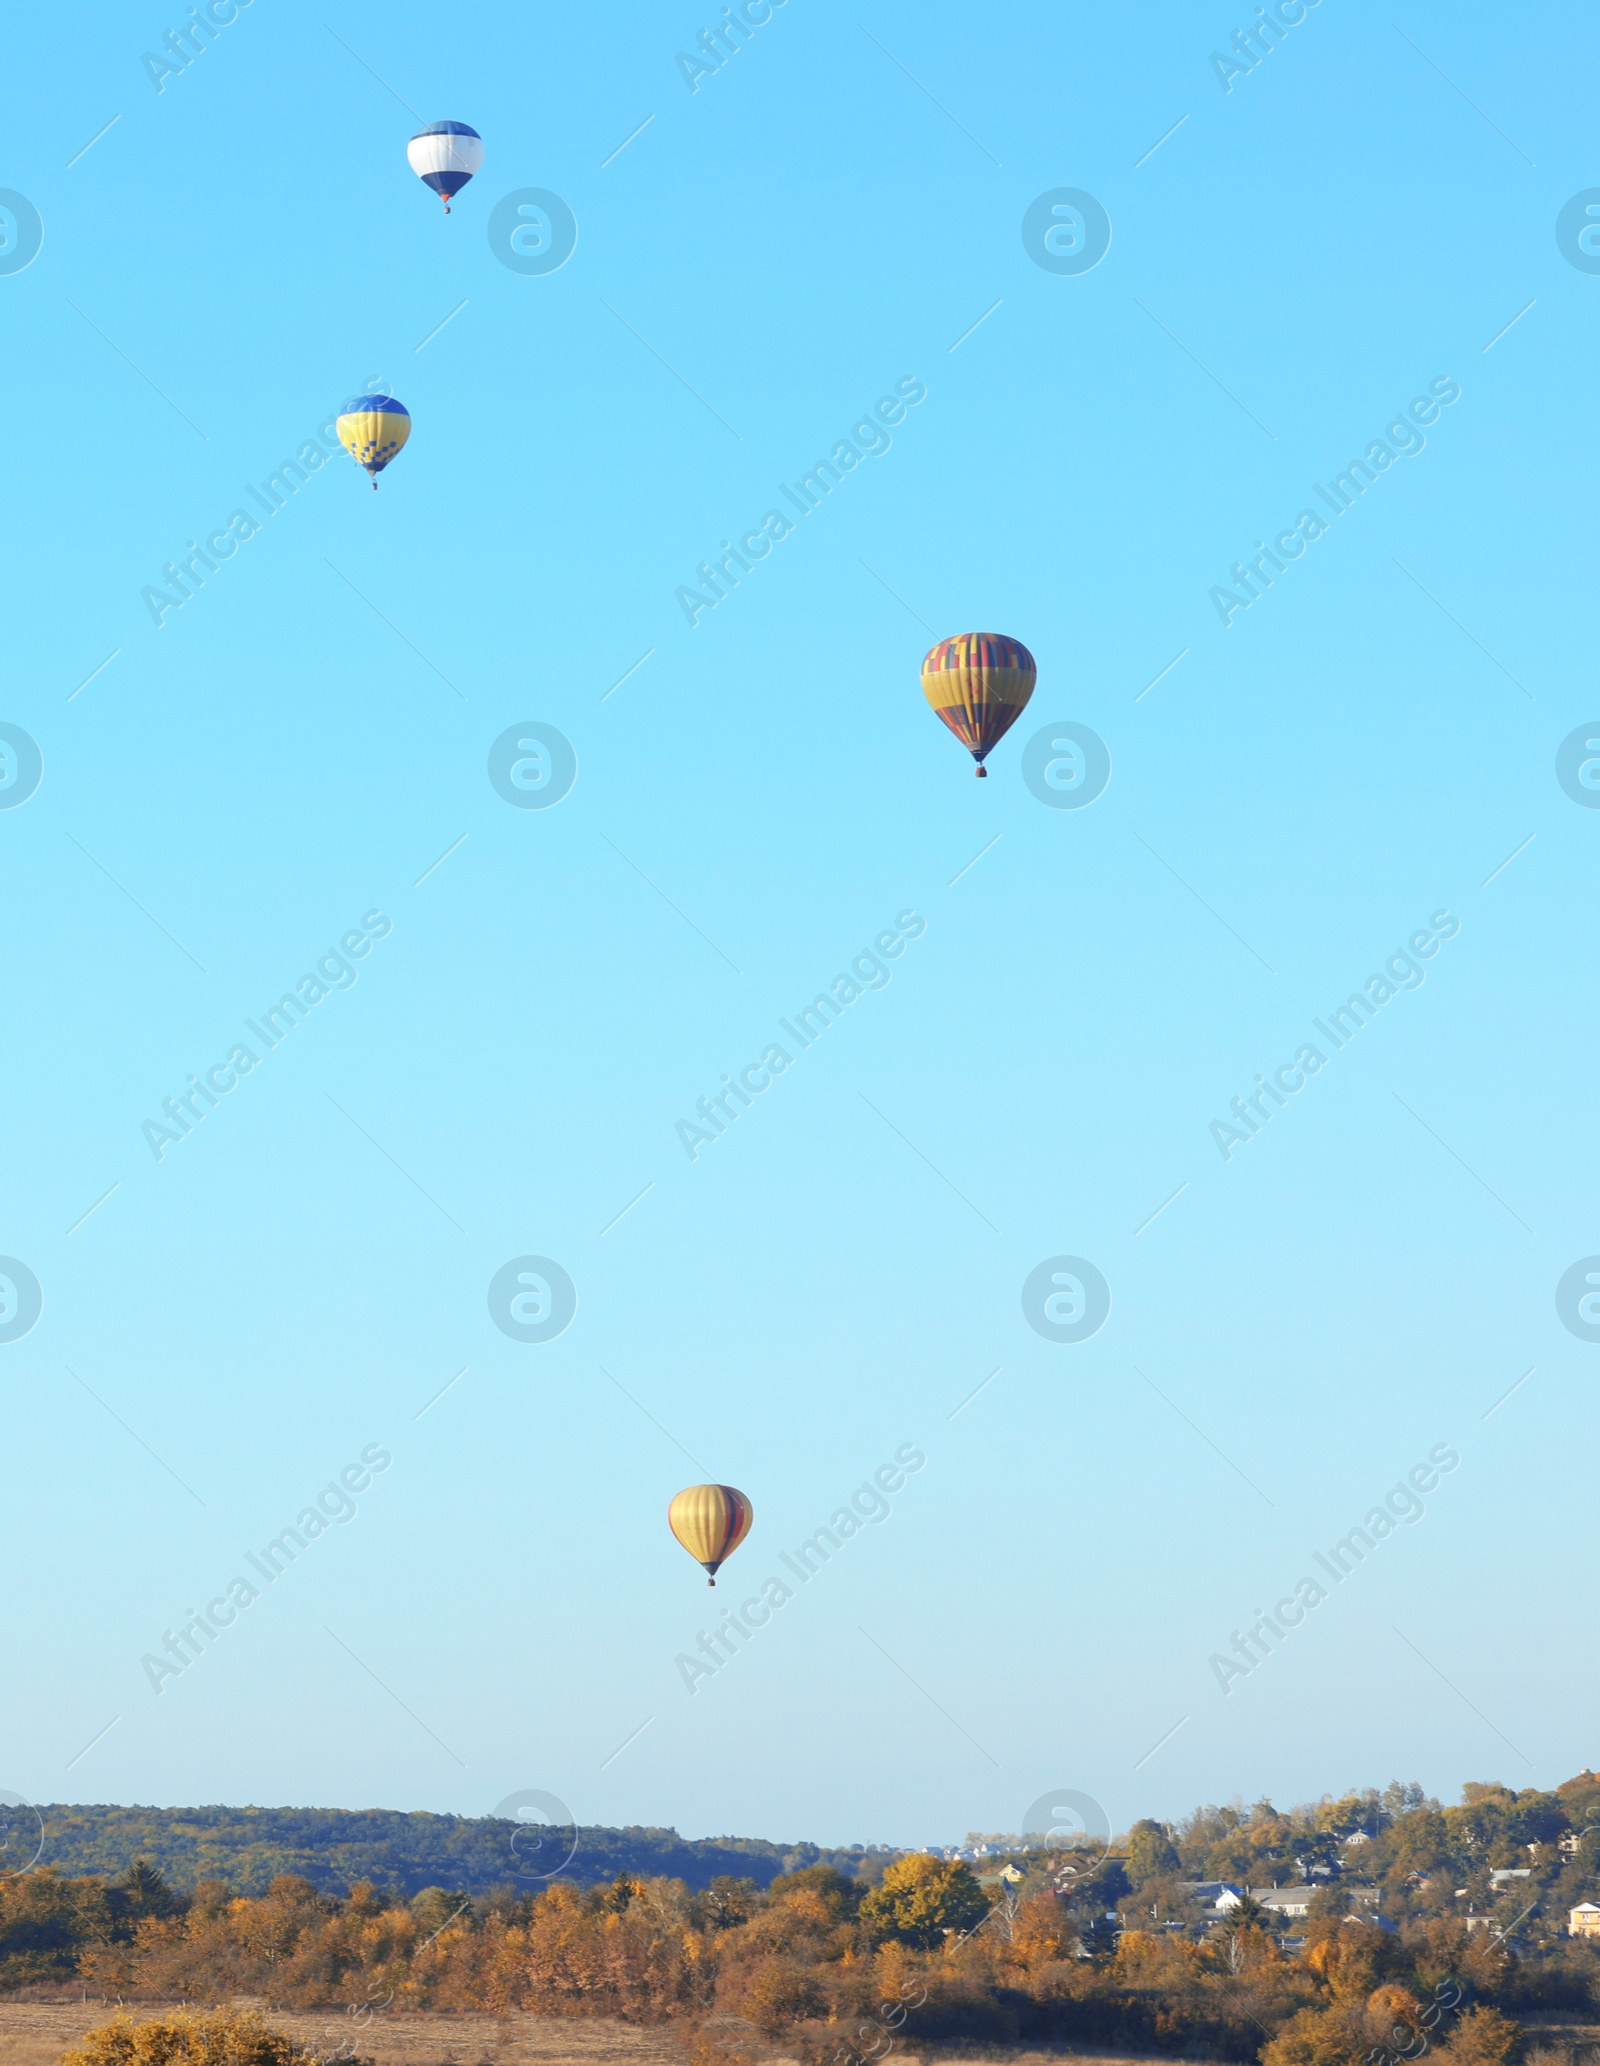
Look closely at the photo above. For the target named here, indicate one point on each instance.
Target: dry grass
(991, 2055)
(37, 2033)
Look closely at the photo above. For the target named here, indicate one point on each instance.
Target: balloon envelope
(372, 429)
(710, 1521)
(979, 683)
(444, 156)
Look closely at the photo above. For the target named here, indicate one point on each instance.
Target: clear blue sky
(1361, 215)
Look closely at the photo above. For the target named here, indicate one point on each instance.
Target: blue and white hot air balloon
(444, 156)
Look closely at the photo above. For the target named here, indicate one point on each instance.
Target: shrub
(1483, 2037)
(782, 1993)
(225, 2037)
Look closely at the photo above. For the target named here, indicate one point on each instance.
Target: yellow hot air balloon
(710, 1521)
(979, 683)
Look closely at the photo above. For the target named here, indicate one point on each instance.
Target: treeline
(835, 1969)
(335, 1847)
(1414, 1948)
(1422, 1858)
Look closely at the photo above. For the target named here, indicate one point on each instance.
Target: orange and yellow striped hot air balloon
(710, 1521)
(979, 683)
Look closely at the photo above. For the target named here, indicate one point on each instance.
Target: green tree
(1419, 1842)
(1402, 1797)
(921, 1897)
(1104, 1887)
(435, 1908)
(1151, 1854)
(1166, 1900)
(1244, 1936)
(143, 1891)
(1320, 1847)
(1353, 1811)
(1480, 1820)
(1099, 1937)
(621, 1894)
(727, 1902)
(1537, 1818)
(45, 1920)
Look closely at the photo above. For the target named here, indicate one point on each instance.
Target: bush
(781, 1993)
(226, 2037)
(1483, 2037)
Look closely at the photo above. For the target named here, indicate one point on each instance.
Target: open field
(36, 2034)
(1032, 2056)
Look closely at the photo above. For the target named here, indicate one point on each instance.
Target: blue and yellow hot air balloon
(372, 429)
(979, 683)
(444, 156)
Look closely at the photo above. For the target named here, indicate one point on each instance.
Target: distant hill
(331, 1847)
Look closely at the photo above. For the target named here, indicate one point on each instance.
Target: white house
(1221, 1897)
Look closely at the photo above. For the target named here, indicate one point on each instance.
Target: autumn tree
(436, 1907)
(45, 1920)
(841, 1894)
(921, 1897)
(782, 1992)
(1483, 2037)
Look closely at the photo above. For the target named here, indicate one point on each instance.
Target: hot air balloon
(372, 428)
(710, 1521)
(979, 684)
(444, 156)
